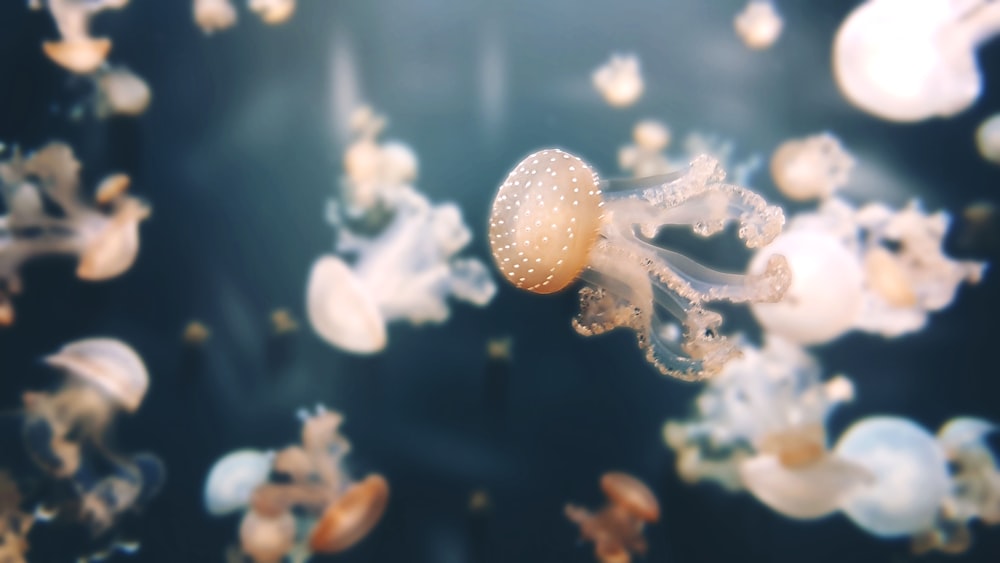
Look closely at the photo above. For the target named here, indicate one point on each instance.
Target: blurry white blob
(374, 172)
(873, 269)
(120, 92)
(758, 25)
(214, 15)
(272, 12)
(909, 60)
(77, 51)
(988, 139)
(812, 167)
(619, 80)
(233, 478)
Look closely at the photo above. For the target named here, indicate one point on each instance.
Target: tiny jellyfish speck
(758, 25)
(910, 60)
(616, 530)
(619, 81)
(554, 221)
(810, 168)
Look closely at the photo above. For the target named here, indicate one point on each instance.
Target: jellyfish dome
(909, 60)
(988, 139)
(619, 80)
(758, 25)
(232, 480)
(109, 364)
(910, 476)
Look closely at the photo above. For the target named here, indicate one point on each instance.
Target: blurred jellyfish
(909, 60)
(214, 15)
(616, 530)
(405, 272)
(758, 25)
(554, 221)
(104, 376)
(196, 333)
(14, 524)
(272, 12)
(106, 240)
(811, 168)
(77, 51)
(300, 501)
(910, 476)
(619, 80)
(120, 92)
(975, 487)
(282, 322)
(645, 157)
(129, 487)
(988, 139)
(870, 269)
(761, 426)
(375, 172)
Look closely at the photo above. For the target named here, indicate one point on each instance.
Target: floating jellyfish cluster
(300, 500)
(396, 253)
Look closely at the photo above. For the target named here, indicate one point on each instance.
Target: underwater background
(242, 147)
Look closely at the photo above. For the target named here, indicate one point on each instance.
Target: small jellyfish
(758, 25)
(910, 476)
(405, 272)
(103, 376)
(554, 221)
(909, 60)
(267, 539)
(282, 322)
(196, 333)
(105, 236)
(811, 168)
(619, 80)
(616, 530)
(120, 92)
(232, 480)
(988, 139)
(77, 51)
(214, 15)
(645, 157)
(351, 517)
(375, 172)
(273, 12)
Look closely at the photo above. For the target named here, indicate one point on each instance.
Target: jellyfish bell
(552, 222)
(267, 540)
(758, 25)
(352, 517)
(904, 60)
(121, 92)
(619, 80)
(111, 188)
(341, 310)
(825, 295)
(910, 476)
(109, 364)
(232, 480)
(804, 492)
(631, 494)
(988, 139)
(964, 431)
(273, 12)
(214, 15)
(81, 56)
(114, 249)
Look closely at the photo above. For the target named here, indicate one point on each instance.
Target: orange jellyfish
(273, 12)
(214, 15)
(105, 234)
(616, 530)
(77, 51)
(554, 221)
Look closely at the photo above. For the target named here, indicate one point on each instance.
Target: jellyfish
(105, 236)
(554, 221)
(810, 168)
(616, 530)
(214, 15)
(120, 92)
(282, 322)
(196, 333)
(272, 12)
(761, 426)
(910, 476)
(375, 172)
(873, 269)
(644, 158)
(405, 272)
(14, 524)
(910, 60)
(130, 486)
(988, 139)
(619, 81)
(104, 376)
(758, 25)
(233, 479)
(77, 51)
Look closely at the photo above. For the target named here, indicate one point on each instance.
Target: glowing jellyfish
(910, 476)
(214, 15)
(909, 60)
(554, 221)
(619, 80)
(273, 12)
(103, 376)
(761, 426)
(120, 92)
(77, 51)
(988, 139)
(405, 272)
(645, 157)
(375, 172)
(617, 529)
(232, 480)
(873, 269)
(104, 236)
(811, 168)
(758, 25)
(14, 524)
